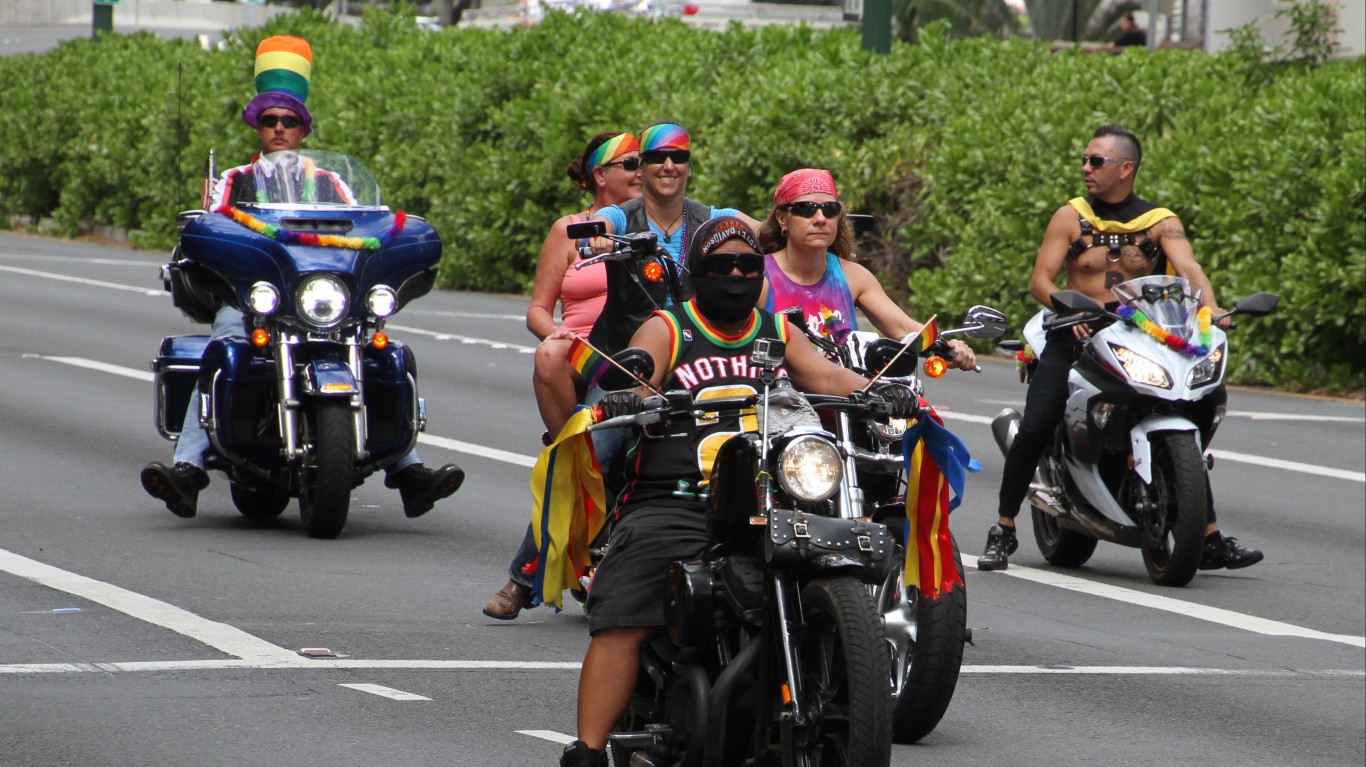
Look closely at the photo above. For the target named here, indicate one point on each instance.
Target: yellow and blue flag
(937, 463)
(568, 509)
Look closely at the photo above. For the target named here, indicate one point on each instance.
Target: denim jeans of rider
(193, 441)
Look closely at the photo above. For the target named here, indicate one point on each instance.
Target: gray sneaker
(1001, 543)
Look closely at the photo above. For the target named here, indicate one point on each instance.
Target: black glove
(899, 397)
(619, 403)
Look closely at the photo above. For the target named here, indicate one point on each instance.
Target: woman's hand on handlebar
(962, 357)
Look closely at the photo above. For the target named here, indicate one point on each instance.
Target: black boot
(578, 754)
(177, 485)
(1223, 551)
(1001, 543)
(421, 487)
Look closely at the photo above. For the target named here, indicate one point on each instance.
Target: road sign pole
(102, 19)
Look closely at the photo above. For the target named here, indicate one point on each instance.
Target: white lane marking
(1277, 463)
(478, 450)
(463, 339)
(103, 367)
(220, 636)
(466, 315)
(84, 281)
(550, 735)
(385, 692)
(73, 260)
(1256, 416)
(953, 415)
(1167, 604)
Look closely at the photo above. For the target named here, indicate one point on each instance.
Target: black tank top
(674, 471)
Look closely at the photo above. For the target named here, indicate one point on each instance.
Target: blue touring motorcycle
(312, 396)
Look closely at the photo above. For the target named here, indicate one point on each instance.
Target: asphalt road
(131, 637)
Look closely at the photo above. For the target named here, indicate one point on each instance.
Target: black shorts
(628, 585)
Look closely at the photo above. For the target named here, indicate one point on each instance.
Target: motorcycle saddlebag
(808, 541)
(176, 371)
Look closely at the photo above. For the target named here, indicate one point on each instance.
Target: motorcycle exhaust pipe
(721, 693)
(1004, 427)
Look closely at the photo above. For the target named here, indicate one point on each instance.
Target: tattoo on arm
(1173, 231)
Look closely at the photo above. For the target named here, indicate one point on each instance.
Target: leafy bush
(962, 148)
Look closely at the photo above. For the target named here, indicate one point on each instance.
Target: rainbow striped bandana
(610, 150)
(664, 136)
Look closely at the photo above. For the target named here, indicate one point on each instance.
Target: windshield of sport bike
(1170, 302)
(306, 177)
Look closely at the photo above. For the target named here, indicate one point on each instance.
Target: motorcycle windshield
(1170, 302)
(310, 177)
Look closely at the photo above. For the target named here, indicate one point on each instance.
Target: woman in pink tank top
(609, 168)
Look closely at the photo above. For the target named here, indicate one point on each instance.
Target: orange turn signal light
(936, 367)
(380, 340)
(654, 271)
(260, 337)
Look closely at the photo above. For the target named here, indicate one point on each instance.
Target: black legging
(1045, 403)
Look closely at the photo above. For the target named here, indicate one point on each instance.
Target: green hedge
(963, 149)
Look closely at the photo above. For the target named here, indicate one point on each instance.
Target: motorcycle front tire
(844, 671)
(325, 492)
(1173, 541)
(936, 658)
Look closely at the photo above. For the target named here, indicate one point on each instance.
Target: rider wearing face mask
(703, 346)
(284, 67)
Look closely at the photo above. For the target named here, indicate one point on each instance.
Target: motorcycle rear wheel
(325, 492)
(843, 668)
(935, 657)
(260, 502)
(1173, 536)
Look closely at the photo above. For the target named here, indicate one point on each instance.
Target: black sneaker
(1224, 551)
(1001, 543)
(177, 485)
(421, 487)
(578, 754)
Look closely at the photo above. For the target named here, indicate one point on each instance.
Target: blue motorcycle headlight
(382, 301)
(1209, 369)
(323, 300)
(263, 298)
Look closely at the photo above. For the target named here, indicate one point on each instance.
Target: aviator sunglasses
(1098, 160)
(629, 164)
(658, 156)
(807, 209)
(721, 264)
(270, 121)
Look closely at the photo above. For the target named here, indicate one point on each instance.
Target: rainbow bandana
(284, 68)
(664, 136)
(610, 150)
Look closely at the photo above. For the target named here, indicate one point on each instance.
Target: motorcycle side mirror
(585, 229)
(984, 322)
(861, 223)
(634, 359)
(878, 353)
(1071, 302)
(1257, 304)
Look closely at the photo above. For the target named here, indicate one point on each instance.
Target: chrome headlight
(382, 301)
(1209, 369)
(809, 469)
(323, 300)
(890, 431)
(263, 298)
(1140, 369)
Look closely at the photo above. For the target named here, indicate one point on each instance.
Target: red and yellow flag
(936, 463)
(569, 508)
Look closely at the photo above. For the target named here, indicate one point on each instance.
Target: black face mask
(726, 299)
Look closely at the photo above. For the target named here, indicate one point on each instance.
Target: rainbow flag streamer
(1174, 342)
(569, 508)
(928, 335)
(587, 361)
(937, 463)
(307, 238)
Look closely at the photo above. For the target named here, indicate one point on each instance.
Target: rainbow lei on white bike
(1177, 343)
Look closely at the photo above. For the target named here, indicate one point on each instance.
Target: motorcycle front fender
(1140, 442)
(329, 378)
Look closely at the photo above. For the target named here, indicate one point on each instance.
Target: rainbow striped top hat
(284, 67)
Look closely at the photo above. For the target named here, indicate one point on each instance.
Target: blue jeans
(194, 440)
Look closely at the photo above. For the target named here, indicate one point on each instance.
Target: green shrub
(963, 149)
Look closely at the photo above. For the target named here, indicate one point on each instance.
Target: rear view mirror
(1257, 304)
(1072, 302)
(585, 229)
(984, 322)
(862, 223)
(636, 360)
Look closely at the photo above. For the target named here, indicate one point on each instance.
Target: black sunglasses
(722, 264)
(807, 209)
(630, 163)
(1099, 160)
(270, 121)
(658, 156)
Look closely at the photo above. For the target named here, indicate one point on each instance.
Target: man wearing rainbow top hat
(284, 69)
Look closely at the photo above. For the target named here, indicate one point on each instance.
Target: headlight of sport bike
(1140, 369)
(1209, 369)
(323, 300)
(264, 298)
(809, 469)
(382, 301)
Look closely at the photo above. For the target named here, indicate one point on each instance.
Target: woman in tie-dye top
(809, 245)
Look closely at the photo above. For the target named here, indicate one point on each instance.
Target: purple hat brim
(275, 100)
